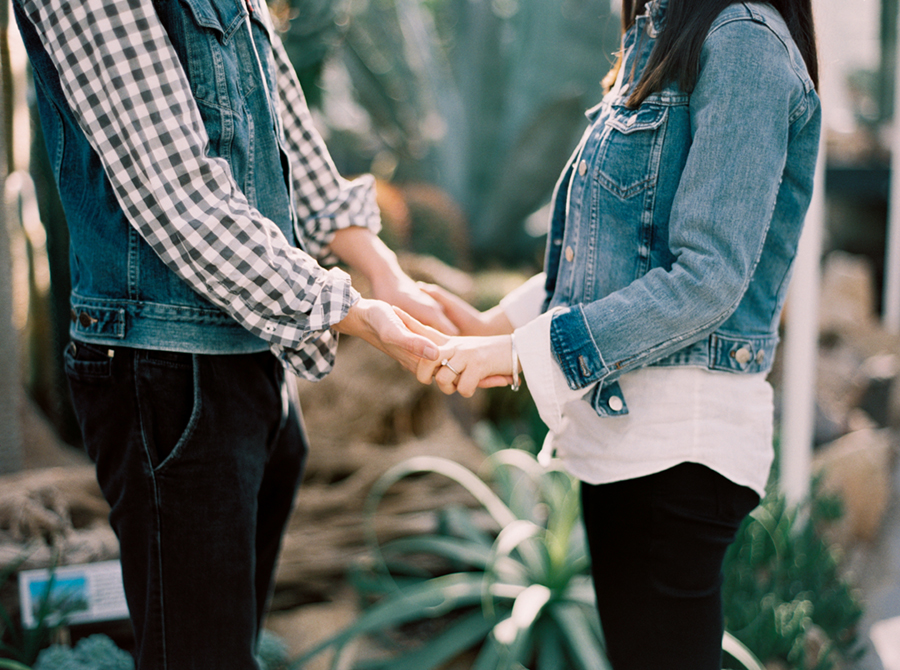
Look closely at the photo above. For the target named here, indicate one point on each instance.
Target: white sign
(80, 593)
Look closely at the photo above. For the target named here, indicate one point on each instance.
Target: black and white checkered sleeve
(125, 84)
(324, 200)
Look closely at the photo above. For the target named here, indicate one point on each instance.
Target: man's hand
(380, 325)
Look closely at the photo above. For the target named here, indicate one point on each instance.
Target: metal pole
(801, 350)
(891, 307)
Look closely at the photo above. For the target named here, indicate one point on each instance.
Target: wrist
(496, 322)
(355, 322)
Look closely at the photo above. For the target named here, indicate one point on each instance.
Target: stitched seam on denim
(193, 420)
(156, 507)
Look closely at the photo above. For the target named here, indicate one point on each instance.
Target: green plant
(96, 652)
(507, 580)
(6, 664)
(785, 596)
(509, 576)
(21, 644)
(483, 99)
(272, 652)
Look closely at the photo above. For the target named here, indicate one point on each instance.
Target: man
(200, 201)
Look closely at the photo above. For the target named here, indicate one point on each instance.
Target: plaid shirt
(122, 78)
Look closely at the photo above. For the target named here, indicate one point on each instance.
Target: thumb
(415, 343)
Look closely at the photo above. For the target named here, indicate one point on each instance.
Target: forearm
(366, 253)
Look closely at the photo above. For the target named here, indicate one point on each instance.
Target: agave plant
(507, 580)
(481, 98)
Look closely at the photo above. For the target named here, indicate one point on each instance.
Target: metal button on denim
(615, 403)
(570, 254)
(582, 168)
(743, 356)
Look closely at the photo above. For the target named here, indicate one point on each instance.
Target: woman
(646, 341)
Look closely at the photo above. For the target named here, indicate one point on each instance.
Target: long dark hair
(676, 54)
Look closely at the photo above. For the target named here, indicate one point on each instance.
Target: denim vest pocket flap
(222, 17)
(90, 321)
(741, 354)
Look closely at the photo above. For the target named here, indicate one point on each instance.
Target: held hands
(401, 291)
(364, 251)
(482, 361)
(465, 364)
(380, 325)
(467, 319)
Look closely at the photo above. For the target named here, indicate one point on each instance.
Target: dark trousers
(199, 458)
(657, 545)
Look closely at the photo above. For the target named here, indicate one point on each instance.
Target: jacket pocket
(628, 161)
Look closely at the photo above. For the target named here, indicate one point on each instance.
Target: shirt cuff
(524, 304)
(546, 381)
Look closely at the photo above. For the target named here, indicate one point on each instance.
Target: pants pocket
(168, 402)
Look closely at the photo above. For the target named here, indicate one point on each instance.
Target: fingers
(438, 318)
(417, 345)
(447, 380)
(494, 381)
(419, 328)
(461, 313)
(410, 297)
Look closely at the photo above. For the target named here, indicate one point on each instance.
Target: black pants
(657, 545)
(199, 458)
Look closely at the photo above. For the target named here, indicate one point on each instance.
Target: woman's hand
(381, 325)
(396, 288)
(464, 364)
(467, 319)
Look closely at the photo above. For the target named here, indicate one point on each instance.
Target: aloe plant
(508, 578)
(21, 646)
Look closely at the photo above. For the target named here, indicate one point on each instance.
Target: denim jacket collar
(656, 12)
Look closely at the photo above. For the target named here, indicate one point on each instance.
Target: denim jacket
(675, 224)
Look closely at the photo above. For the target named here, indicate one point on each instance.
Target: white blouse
(676, 414)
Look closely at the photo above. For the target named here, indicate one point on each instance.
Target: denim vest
(675, 224)
(122, 293)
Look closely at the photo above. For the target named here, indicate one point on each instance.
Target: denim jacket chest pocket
(624, 179)
(627, 161)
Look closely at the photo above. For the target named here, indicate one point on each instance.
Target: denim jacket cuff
(575, 350)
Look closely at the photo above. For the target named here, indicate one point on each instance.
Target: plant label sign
(74, 593)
